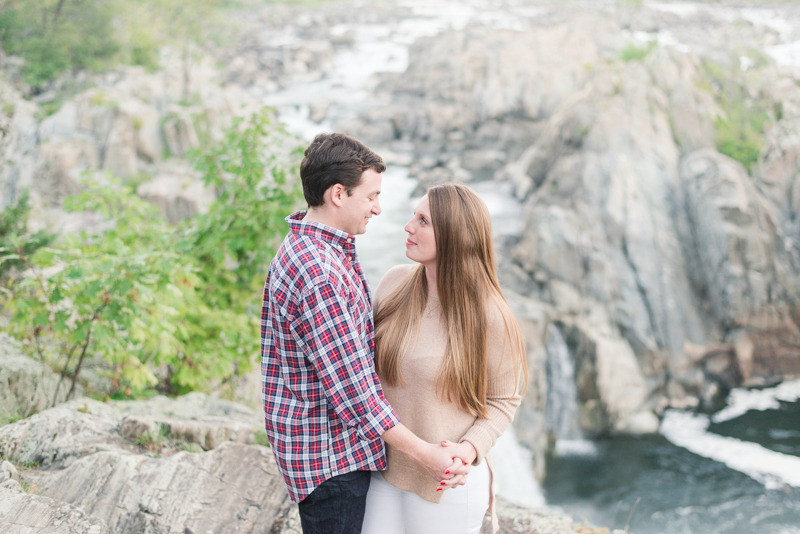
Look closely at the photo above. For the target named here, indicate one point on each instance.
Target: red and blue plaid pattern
(324, 405)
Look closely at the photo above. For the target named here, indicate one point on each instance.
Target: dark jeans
(337, 505)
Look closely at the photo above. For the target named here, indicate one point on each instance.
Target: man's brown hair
(333, 159)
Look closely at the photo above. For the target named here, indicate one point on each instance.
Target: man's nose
(376, 208)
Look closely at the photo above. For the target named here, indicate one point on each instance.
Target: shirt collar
(323, 232)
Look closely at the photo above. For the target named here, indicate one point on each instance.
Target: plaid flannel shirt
(324, 405)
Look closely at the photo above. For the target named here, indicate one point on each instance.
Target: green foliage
(6, 417)
(260, 438)
(739, 133)
(250, 170)
(631, 52)
(57, 35)
(16, 242)
(148, 297)
(152, 441)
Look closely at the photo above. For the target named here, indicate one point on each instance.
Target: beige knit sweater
(424, 412)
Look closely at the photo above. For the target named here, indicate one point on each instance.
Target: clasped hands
(449, 463)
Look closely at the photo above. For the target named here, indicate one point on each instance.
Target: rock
(177, 192)
(22, 513)
(18, 139)
(529, 421)
(515, 519)
(61, 168)
(8, 471)
(136, 493)
(318, 110)
(741, 260)
(26, 386)
(60, 435)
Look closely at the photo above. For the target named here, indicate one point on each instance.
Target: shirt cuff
(377, 421)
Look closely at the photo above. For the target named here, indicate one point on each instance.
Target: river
(693, 477)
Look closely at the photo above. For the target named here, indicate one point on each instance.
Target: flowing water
(736, 472)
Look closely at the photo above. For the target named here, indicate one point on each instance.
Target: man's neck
(322, 216)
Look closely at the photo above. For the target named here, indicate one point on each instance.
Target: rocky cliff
(670, 268)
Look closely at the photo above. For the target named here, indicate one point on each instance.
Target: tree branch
(58, 11)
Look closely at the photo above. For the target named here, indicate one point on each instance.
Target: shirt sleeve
(502, 391)
(343, 362)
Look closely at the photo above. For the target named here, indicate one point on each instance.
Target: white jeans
(395, 511)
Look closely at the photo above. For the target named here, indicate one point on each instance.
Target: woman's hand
(459, 469)
(466, 449)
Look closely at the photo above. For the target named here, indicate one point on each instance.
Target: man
(326, 417)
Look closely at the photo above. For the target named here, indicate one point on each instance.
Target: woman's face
(421, 243)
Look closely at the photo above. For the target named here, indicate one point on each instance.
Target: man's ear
(336, 194)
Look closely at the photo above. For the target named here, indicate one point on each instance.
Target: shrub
(54, 37)
(739, 133)
(148, 297)
(631, 52)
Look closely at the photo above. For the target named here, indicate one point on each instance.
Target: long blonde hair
(466, 281)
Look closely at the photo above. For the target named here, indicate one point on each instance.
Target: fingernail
(442, 483)
(438, 489)
(447, 472)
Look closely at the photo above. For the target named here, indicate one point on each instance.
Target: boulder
(177, 193)
(515, 519)
(26, 385)
(82, 427)
(24, 513)
(234, 487)
(740, 257)
(18, 139)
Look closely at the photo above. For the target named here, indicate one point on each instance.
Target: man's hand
(439, 461)
(461, 465)
(442, 463)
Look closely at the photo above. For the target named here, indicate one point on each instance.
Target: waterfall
(561, 408)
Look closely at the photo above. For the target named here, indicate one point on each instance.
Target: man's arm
(328, 336)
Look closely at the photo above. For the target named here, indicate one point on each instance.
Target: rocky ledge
(190, 464)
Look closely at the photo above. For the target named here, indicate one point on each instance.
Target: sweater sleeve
(502, 389)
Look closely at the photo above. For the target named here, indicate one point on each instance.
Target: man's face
(362, 203)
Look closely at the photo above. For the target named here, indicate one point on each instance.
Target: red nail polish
(447, 472)
(438, 489)
(442, 483)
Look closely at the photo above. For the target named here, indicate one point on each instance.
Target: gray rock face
(26, 386)
(21, 513)
(126, 467)
(232, 488)
(106, 459)
(740, 253)
(516, 519)
(665, 265)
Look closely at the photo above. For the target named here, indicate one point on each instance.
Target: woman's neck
(430, 276)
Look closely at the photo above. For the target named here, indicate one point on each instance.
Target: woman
(450, 356)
